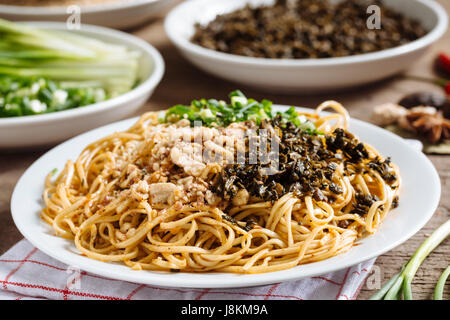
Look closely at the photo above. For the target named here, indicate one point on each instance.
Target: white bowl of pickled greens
(56, 83)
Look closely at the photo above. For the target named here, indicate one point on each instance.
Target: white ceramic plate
(418, 201)
(46, 129)
(301, 75)
(118, 14)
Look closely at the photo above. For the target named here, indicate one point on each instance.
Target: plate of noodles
(118, 14)
(226, 194)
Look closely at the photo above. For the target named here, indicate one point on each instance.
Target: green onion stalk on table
(43, 71)
(400, 284)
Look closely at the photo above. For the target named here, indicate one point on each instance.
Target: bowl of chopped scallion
(56, 83)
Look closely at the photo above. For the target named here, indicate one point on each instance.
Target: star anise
(432, 126)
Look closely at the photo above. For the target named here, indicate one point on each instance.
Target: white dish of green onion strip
(126, 68)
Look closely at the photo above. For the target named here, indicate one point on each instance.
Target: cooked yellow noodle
(197, 238)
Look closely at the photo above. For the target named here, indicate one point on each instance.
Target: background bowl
(301, 75)
(120, 15)
(419, 199)
(47, 129)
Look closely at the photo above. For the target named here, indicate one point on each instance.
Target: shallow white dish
(301, 75)
(418, 201)
(120, 14)
(47, 129)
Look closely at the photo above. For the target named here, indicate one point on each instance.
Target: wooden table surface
(182, 82)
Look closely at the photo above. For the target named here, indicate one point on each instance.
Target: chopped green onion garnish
(219, 113)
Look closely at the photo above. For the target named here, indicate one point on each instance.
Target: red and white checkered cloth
(27, 273)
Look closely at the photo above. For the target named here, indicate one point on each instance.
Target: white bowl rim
(433, 35)
(149, 83)
(62, 10)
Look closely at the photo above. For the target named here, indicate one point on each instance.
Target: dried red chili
(444, 62)
(447, 88)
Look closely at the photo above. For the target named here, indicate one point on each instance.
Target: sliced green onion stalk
(400, 284)
(29, 52)
(439, 290)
